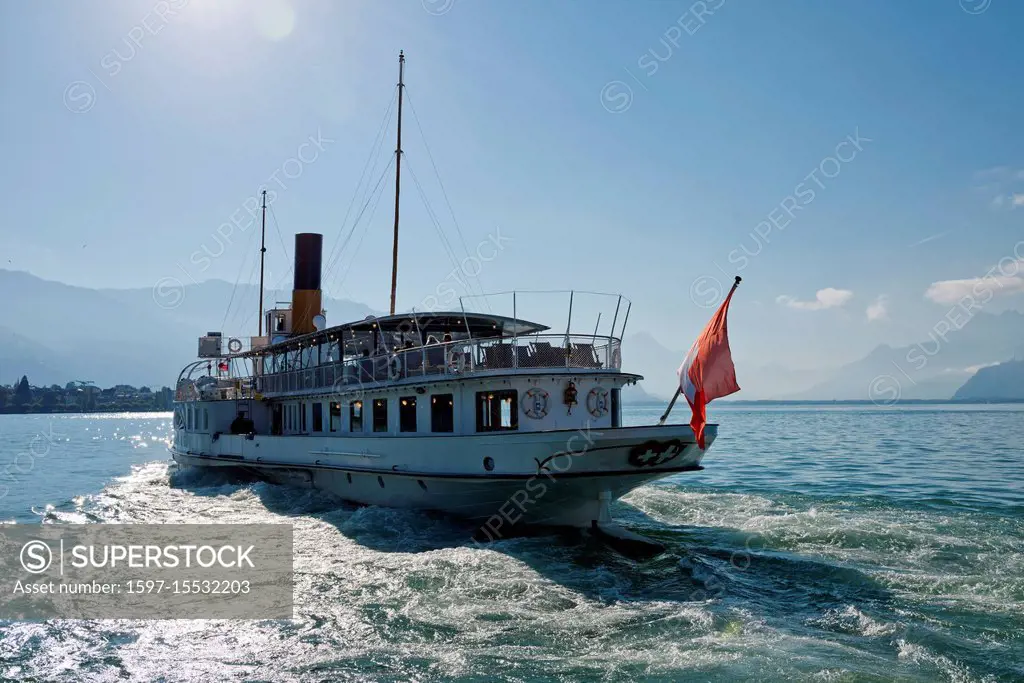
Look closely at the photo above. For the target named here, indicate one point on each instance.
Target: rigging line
(247, 300)
(434, 221)
(437, 227)
(334, 255)
(369, 167)
(244, 301)
(433, 218)
(246, 297)
(373, 211)
(284, 248)
(277, 227)
(444, 192)
(238, 277)
(355, 223)
(344, 274)
(355, 251)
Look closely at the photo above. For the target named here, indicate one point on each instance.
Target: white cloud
(1002, 185)
(1007, 277)
(824, 298)
(972, 369)
(879, 308)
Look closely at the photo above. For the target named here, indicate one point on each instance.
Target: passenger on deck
(447, 337)
(242, 425)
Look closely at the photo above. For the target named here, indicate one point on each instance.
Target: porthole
(488, 463)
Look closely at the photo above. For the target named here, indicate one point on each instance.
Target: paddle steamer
(487, 417)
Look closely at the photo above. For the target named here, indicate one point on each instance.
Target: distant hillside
(20, 355)
(634, 394)
(56, 332)
(996, 382)
(934, 369)
(644, 355)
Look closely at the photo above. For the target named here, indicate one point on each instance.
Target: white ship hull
(565, 477)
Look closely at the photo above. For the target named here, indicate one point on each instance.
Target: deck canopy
(419, 328)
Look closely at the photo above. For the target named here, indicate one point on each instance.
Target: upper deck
(412, 347)
(313, 367)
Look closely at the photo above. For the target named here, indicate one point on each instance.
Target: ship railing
(453, 359)
(222, 388)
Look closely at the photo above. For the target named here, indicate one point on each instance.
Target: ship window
(206, 419)
(355, 416)
(407, 414)
(380, 415)
(276, 419)
(335, 416)
(280, 323)
(616, 407)
(442, 413)
(188, 415)
(302, 417)
(318, 417)
(497, 411)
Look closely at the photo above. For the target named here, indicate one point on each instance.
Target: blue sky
(613, 146)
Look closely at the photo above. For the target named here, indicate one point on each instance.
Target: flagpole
(670, 405)
(679, 389)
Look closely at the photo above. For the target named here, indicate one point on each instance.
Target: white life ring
(456, 361)
(234, 345)
(597, 401)
(535, 403)
(394, 367)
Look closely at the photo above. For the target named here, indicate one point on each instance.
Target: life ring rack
(234, 345)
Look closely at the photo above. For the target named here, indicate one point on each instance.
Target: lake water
(821, 543)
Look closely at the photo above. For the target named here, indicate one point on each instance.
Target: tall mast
(398, 179)
(263, 251)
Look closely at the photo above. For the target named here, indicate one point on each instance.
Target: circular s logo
(706, 291)
(79, 97)
(36, 557)
(975, 6)
(437, 7)
(884, 390)
(616, 97)
(168, 293)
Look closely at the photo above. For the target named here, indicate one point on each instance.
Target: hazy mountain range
(996, 382)
(935, 368)
(55, 333)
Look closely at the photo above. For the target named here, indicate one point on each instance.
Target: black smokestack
(308, 253)
(306, 303)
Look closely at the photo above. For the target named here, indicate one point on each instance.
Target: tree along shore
(82, 397)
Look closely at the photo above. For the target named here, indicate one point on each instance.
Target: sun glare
(271, 19)
(274, 19)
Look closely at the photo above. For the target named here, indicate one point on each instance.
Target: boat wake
(796, 587)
